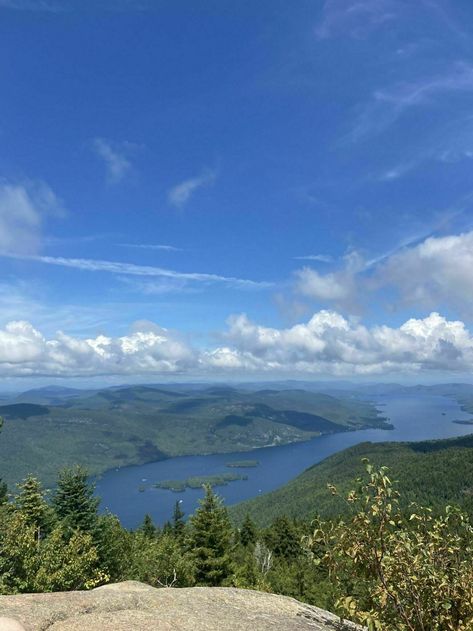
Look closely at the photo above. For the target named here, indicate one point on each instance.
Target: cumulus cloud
(429, 274)
(436, 271)
(114, 157)
(328, 344)
(339, 287)
(22, 211)
(25, 351)
(180, 194)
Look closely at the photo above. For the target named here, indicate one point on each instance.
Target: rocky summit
(133, 606)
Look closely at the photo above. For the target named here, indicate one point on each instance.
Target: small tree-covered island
(381, 561)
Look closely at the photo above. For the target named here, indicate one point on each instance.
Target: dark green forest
(434, 473)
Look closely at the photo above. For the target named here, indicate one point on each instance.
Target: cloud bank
(328, 344)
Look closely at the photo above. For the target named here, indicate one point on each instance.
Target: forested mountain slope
(434, 473)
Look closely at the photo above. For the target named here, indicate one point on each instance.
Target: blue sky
(168, 166)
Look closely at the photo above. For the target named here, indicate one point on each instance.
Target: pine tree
(31, 503)
(283, 538)
(248, 532)
(178, 523)
(74, 501)
(147, 527)
(210, 540)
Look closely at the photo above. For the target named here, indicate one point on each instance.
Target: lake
(415, 417)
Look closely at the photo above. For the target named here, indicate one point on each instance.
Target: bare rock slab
(132, 606)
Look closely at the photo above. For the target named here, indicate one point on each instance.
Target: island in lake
(196, 482)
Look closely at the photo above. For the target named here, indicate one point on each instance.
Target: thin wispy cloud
(131, 269)
(114, 157)
(180, 194)
(387, 105)
(320, 258)
(451, 143)
(151, 246)
(23, 208)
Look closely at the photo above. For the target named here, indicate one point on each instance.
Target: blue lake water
(415, 417)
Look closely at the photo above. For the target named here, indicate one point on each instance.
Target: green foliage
(284, 539)
(210, 540)
(398, 571)
(67, 562)
(178, 523)
(147, 527)
(53, 564)
(31, 503)
(248, 532)
(74, 501)
(161, 561)
(114, 545)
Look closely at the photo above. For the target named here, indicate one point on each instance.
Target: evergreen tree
(31, 503)
(248, 532)
(74, 501)
(178, 523)
(210, 540)
(283, 538)
(147, 527)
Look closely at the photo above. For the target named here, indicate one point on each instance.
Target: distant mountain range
(48, 428)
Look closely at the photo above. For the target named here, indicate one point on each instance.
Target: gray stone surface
(132, 606)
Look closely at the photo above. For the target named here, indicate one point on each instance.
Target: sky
(236, 190)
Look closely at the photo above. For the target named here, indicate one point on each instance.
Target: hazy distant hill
(50, 427)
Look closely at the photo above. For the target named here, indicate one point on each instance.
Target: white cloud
(131, 269)
(24, 351)
(320, 258)
(150, 246)
(339, 287)
(327, 344)
(114, 156)
(436, 271)
(430, 273)
(331, 344)
(180, 194)
(22, 211)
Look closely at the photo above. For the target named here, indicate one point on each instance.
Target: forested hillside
(50, 428)
(434, 473)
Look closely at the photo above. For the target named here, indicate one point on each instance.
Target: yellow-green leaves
(398, 572)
